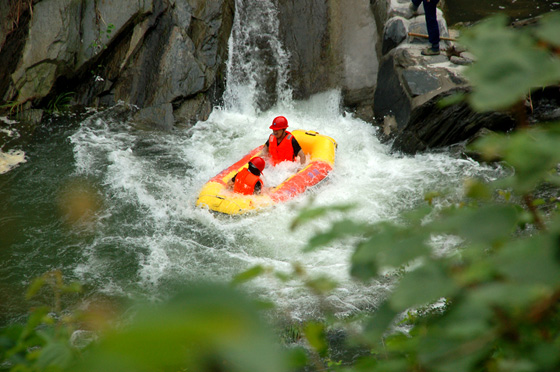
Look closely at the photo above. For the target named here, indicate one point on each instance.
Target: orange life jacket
(282, 151)
(245, 182)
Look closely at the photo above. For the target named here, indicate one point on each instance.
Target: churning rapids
(147, 234)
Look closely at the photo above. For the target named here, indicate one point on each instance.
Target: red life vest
(245, 182)
(282, 151)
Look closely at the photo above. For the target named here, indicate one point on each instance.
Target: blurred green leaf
(452, 99)
(338, 230)
(392, 246)
(477, 270)
(549, 28)
(467, 319)
(517, 365)
(531, 261)
(35, 287)
(321, 285)
(379, 322)
(56, 355)
(477, 190)
(248, 275)
(206, 328)
(309, 214)
(487, 224)
(514, 297)
(391, 365)
(316, 336)
(424, 285)
(508, 66)
(74, 287)
(447, 354)
(546, 356)
(532, 153)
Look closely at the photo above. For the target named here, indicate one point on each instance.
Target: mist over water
(147, 234)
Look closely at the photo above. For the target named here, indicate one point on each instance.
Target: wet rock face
(146, 53)
(305, 31)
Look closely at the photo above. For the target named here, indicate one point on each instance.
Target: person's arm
(258, 188)
(302, 158)
(264, 152)
(231, 182)
(298, 150)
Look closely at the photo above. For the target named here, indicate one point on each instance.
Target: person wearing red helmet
(281, 144)
(248, 181)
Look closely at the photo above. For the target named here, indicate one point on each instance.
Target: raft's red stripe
(298, 183)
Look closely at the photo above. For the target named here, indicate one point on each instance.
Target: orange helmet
(279, 122)
(258, 162)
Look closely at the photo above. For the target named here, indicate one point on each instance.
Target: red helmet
(279, 122)
(258, 162)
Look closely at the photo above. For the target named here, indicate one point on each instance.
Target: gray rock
(420, 81)
(468, 56)
(158, 117)
(391, 97)
(396, 30)
(179, 74)
(193, 110)
(431, 127)
(460, 60)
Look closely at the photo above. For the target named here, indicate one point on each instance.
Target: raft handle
(312, 133)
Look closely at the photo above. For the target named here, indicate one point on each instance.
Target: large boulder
(410, 86)
(431, 126)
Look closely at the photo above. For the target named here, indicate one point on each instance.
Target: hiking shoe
(430, 52)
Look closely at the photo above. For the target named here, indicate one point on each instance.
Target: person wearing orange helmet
(281, 144)
(248, 181)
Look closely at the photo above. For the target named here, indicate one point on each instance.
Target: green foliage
(510, 63)
(43, 343)
(532, 153)
(13, 108)
(205, 328)
(60, 103)
(501, 286)
(100, 41)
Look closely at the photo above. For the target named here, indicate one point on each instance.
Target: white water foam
(151, 182)
(158, 177)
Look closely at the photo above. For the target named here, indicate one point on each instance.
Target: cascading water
(148, 235)
(258, 64)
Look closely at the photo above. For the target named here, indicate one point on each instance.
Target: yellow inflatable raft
(320, 149)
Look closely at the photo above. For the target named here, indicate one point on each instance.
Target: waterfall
(258, 64)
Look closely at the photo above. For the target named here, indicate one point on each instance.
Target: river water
(112, 205)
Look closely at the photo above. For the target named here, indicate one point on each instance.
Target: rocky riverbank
(169, 59)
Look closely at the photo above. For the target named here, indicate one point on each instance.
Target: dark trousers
(431, 20)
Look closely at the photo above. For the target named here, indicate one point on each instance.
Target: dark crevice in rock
(11, 53)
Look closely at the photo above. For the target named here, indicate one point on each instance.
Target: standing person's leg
(415, 4)
(430, 10)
